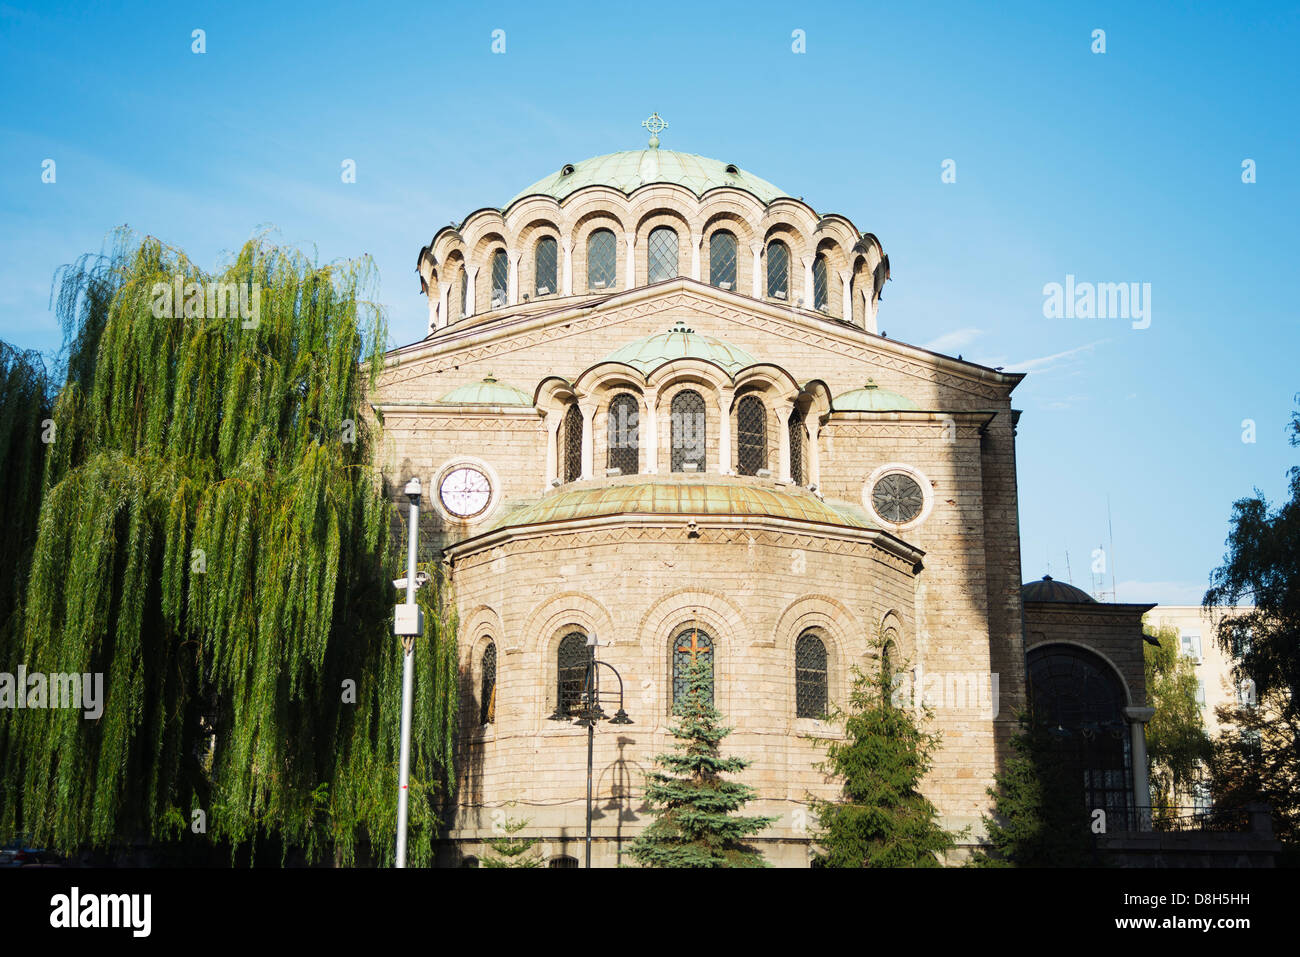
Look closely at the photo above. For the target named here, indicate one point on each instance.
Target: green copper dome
(682, 498)
(872, 398)
(487, 392)
(680, 342)
(630, 169)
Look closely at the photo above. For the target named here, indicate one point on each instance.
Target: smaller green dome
(487, 392)
(680, 342)
(872, 398)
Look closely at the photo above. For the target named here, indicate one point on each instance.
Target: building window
(464, 293)
(571, 671)
(1240, 642)
(1080, 701)
(602, 258)
(500, 278)
(488, 686)
(624, 434)
(796, 447)
(572, 429)
(1200, 692)
(690, 646)
(751, 438)
(778, 270)
(563, 862)
(1191, 645)
(545, 263)
(897, 498)
(809, 677)
(821, 291)
(687, 428)
(722, 260)
(662, 253)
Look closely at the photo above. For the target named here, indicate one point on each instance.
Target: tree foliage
(214, 539)
(882, 819)
(1256, 759)
(696, 824)
(1038, 815)
(1178, 748)
(511, 851)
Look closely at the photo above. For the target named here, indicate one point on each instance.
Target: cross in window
(695, 647)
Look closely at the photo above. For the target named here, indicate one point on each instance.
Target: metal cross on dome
(656, 125)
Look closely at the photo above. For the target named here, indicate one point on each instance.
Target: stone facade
(944, 581)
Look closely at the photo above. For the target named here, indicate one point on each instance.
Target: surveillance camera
(413, 488)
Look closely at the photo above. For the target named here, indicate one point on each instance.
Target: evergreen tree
(882, 818)
(214, 540)
(511, 851)
(1037, 821)
(696, 824)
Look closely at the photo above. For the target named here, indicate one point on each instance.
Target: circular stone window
(897, 498)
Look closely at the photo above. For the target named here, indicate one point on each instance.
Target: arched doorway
(1080, 700)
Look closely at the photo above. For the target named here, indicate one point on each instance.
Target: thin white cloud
(1045, 362)
(949, 342)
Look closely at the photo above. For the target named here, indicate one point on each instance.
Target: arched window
(500, 278)
(1078, 697)
(796, 446)
(571, 671)
(751, 437)
(564, 861)
(687, 428)
(624, 434)
(661, 252)
(488, 685)
(572, 444)
(545, 263)
(464, 293)
(602, 258)
(722, 260)
(809, 677)
(690, 645)
(821, 288)
(778, 270)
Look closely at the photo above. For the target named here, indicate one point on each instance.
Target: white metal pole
(408, 684)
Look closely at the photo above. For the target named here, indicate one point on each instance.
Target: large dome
(680, 342)
(630, 169)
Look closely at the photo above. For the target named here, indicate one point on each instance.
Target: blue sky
(1117, 167)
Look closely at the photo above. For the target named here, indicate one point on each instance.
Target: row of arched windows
(662, 252)
(573, 655)
(688, 425)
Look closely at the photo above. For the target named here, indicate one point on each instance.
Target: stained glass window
(624, 434)
(500, 278)
(751, 438)
(602, 259)
(809, 677)
(796, 447)
(572, 439)
(488, 685)
(821, 291)
(687, 420)
(571, 671)
(897, 498)
(545, 264)
(722, 260)
(662, 253)
(689, 646)
(778, 270)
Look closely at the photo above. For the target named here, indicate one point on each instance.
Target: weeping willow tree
(215, 540)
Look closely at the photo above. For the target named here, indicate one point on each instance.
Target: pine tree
(1035, 822)
(882, 818)
(511, 851)
(696, 824)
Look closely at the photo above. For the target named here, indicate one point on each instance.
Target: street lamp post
(588, 711)
(408, 624)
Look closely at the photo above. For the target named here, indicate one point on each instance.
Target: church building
(654, 409)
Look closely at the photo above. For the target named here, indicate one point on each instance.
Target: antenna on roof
(1069, 575)
(1110, 530)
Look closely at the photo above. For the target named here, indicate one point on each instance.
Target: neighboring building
(1196, 640)
(653, 406)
